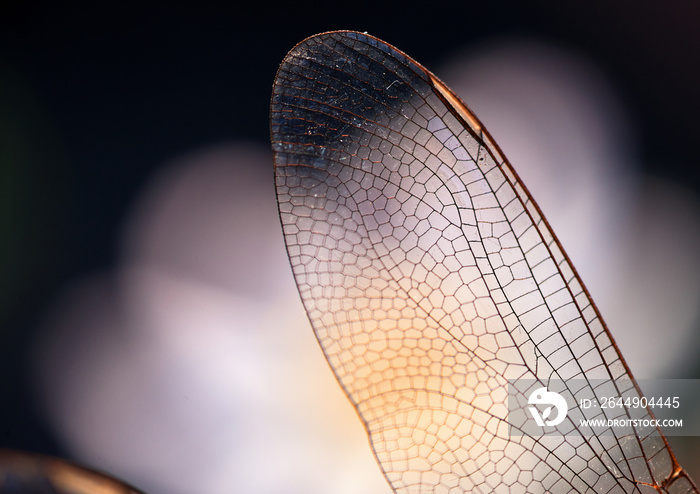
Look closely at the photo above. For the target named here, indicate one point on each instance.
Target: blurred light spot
(192, 367)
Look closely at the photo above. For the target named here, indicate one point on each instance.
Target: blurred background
(149, 322)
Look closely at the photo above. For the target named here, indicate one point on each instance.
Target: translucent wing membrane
(431, 279)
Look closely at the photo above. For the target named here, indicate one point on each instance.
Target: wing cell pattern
(431, 279)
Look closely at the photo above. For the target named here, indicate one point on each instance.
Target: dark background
(94, 96)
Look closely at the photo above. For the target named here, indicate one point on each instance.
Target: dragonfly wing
(431, 278)
(22, 473)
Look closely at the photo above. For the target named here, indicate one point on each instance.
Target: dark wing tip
(332, 87)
